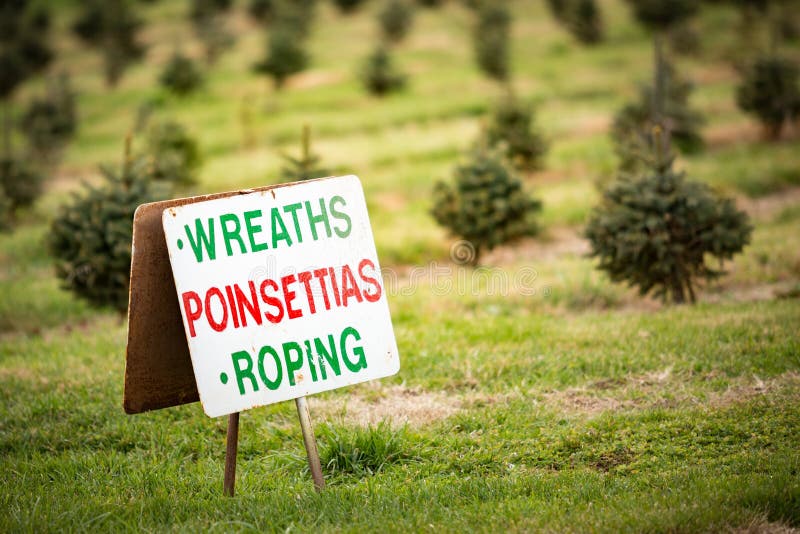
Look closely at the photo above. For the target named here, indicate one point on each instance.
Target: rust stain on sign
(158, 369)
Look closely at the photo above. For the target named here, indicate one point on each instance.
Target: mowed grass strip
(513, 455)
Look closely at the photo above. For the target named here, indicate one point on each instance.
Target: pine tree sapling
(661, 15)
(20, 183)
(511, 130)
(111, 27)
(654, 231)
(584, 21)
(208, 21)
(90, 239)
(49, 122)
(787, 21)
(379, 74)
(306, 166)
(24, 50)
(181, 75)
(6, 215)
(285, 56)
(261, 10)
(770, 90)
(631, 131)
(684, 39)
(395, 18)
(491, 38)
(348, 7)
(559, 9)
(486, 204)
(294, 17)
(172, 154)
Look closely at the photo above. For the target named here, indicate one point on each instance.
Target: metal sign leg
(310, 443)
(230, 454)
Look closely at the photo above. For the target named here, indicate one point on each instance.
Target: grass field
(533, 393)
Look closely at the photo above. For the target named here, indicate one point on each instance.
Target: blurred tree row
(673, 222)
(24, 52)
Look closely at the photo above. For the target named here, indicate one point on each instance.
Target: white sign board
(281, 293)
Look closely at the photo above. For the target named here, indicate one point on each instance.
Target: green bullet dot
(223, 377)
(180, 244)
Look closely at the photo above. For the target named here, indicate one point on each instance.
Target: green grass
(538, 395)
(517, 454)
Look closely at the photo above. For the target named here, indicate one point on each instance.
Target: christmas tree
(20, 185)
(348, 7)
(90, 239)
(583, 20)
(491, 37)
(111, 27)
(656, 229)
(511, 130)
(770, 90)
(285, 56)
(665, 103)
(181, 75)
(633, 124)
(379, 75)
(49, 122)
(172, 154)
(486, 204)
(395, 19)
(24, 49)
(306, 166)
(261, 10)
(24, 52)
(208, 21)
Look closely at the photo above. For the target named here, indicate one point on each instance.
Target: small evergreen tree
(661, 15)
(632, 128)
(665, 102)
(294, 17)
(49, 122)
(559, 9)
(770, 90)
(395, 19)
(584, 21)
(90, 239)
(181, 75)
(348, 7)
(24, 48)
(24, 51)
(111, 27)
(752, 15)
(172, 154)
(306, 167)
(486, 205)
(6, 217)
(285, 56)
(787, 21)
(379, 75)
(20, 185)
(511, 130)
(208, 21)
(684, 39)
(261, 10)
(491, 40)
(655, 230)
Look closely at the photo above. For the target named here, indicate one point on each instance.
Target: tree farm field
(534, 394)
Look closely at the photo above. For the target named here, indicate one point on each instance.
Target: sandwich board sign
(280, 293)
(246, 298)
